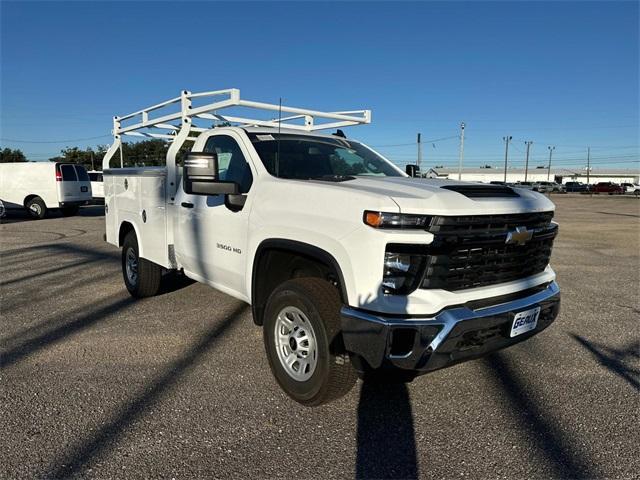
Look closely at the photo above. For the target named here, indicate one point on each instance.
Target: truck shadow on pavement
(615, 359)
(81, 454)
(386, 443)
(562, 455)
(17, 215)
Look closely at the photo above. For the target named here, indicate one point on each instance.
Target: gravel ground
(95, 384)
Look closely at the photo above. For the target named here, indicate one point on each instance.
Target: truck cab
(351, 267)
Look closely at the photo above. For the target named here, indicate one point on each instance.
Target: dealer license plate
(525, 321)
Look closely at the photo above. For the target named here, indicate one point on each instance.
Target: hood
(427, 196)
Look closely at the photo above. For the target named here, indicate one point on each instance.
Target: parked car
(608, 187)
(544, 187)
(631, 188)
(526, 185)
(576, 187)
(535, 186)
(97, 187)
(350, 266)
(42, 186)
(555, 186)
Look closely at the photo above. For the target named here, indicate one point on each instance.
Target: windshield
(305, 157)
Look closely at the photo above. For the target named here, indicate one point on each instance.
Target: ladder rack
(178, 125)
(143, 119)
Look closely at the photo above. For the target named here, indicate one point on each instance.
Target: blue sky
(563, 73)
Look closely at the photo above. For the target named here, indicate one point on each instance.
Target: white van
(42, 186)
(97, 186)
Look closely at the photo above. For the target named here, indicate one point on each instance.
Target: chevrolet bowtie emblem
(519, 236)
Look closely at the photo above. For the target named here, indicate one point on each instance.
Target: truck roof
(289, 131)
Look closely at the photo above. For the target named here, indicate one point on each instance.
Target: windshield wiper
(333, 178)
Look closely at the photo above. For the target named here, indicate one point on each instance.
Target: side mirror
(412, 170)
(200, 176)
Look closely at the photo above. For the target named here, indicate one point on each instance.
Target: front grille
(470, 252)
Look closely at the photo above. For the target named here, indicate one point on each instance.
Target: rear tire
(141, 277)
(302, 327)
(36, 208)
(70, 211)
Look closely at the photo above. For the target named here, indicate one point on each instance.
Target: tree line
(135, 154)
(8, 155)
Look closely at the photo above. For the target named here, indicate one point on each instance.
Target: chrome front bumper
(453, 335)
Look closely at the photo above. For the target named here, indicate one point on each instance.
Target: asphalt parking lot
(96, 384)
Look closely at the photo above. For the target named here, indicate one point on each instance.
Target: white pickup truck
(351, 267)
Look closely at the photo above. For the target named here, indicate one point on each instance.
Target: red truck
(608, 187)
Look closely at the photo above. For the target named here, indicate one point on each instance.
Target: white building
(560, 175)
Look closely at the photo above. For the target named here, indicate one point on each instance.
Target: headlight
(396, 220)
(402, 271)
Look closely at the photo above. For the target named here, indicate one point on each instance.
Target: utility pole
(506, 155)
(551, 149)
(526, 161)
(461, 151)
(419, 151)
(588, 164)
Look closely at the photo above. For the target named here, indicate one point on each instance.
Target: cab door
(211, 235)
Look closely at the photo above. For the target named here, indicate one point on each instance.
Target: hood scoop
(482, 191)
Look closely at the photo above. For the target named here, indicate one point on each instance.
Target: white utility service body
(39, 186)
(331, 220)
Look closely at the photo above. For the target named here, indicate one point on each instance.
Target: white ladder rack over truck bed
(180, 133)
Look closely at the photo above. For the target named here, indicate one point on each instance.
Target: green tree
(135, 154)
(8, 155)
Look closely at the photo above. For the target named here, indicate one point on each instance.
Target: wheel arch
(123, 229)
(30, 197)
(269, 249)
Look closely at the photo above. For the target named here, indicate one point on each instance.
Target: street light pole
(526, 162)
(588, 164)
(551, 149)
(506, 155)
(461, 151)
(419, 150)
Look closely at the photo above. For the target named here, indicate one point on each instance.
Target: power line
(394, 145)
(413, 144)
(53, 141)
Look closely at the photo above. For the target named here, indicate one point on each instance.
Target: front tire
(141, 276)
(303, 341)
(36, 208)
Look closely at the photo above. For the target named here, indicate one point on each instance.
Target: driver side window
(232, 165)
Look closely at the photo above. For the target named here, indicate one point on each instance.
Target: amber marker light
(373, 219)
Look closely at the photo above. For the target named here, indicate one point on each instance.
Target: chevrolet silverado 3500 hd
(350, 266)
